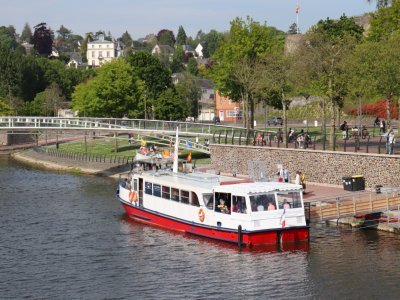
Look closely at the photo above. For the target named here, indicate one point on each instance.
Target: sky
(140, 17)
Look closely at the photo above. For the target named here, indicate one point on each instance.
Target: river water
(64, 236)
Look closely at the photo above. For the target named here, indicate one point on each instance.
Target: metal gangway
(354, 203)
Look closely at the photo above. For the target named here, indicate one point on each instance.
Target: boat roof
(223, 184)
(257, 187)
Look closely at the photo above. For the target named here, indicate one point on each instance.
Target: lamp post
(145, 106)
(359, 111)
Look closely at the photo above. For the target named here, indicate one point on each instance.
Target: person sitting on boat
(260, 207)
(271, 206)
(286, 204)
(222, 206)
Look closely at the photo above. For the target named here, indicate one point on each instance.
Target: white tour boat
(218, 207)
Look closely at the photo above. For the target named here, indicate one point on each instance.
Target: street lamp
(145, 106)
(359, 110)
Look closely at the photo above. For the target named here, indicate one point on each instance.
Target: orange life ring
(202, 215)
(132, 196)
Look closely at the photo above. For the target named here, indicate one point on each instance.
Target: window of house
(93, 54)
(99, 46)
(93, 62)
(230, 101)
(157, 190)
(185, 197)
(148, 189)
(166, 192)
(100, 53)
(231, 113)
(108, 53)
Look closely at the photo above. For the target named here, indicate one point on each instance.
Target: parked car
(275, 121)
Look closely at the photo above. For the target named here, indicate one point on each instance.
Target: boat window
(174, 194)
(289, 200)
(223, 203)
(135, 184)
(239, 204)
(262, 202)
(208, 200)
(194, 200)
(148, 188)
(185, 197)
(166, 192)
(157, 190)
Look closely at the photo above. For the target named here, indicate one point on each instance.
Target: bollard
(240, 237)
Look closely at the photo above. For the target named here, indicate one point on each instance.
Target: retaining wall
(319, 166)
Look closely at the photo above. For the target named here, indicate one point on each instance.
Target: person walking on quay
(297, 180)
(391, 140)
(344, 128)
(382, 126)
(303, 181)
(284, 174)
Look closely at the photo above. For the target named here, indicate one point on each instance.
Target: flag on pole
(283, 218)
(297, 8)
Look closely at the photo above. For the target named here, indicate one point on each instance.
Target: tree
(385, 22)
(112, 93)
(381, 3)
(126, 39)
(42, 39)
(181, 37)
(211, 42)
(169, 106)
(192, 66)
(320, 63)
(63, 33)
(177, 60)
(166, 37)
(373, 68)
(293, 29)
(48, 102)
(26, 34)
(248, 41)
(8, 37)
(5, 109)
(189, 92)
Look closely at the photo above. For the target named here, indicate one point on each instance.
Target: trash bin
(347, 183)
(358, 182)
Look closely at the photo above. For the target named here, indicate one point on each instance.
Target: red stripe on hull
(253, 238)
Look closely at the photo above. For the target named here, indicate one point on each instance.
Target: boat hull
(270, 236)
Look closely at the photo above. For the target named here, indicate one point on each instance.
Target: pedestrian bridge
(163, 130)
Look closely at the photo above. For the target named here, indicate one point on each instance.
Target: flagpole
(297, 17)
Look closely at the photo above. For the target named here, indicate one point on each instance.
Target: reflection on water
(66, 237)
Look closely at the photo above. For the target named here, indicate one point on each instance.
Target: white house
(100, 51)
(199, 50)
(207, 100)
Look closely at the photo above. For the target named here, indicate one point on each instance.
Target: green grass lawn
(121, 147)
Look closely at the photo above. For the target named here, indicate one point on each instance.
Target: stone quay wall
(326, 167)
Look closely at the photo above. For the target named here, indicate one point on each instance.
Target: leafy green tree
(192, 66)
(181, 37)
(248, 42)
(126, 39)
(88, 38)
(385, 22)
(374, 70)
(5, 110)
(211, 42)
(154, 76)
(292, 29)
(166, 37)
(63, 33)
(189, 92)
(381, 3)
(48, 102)
(8, 37)
(26, 34)
(112, 93)
(169, 106)
(42, 39)
(177, 60)
(320, 63)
